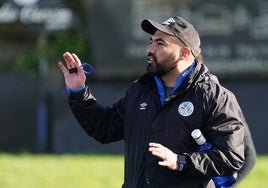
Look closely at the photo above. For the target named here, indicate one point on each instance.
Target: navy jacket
(139, 118)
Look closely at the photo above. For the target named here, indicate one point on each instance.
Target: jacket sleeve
(224, 127)
(105, 124)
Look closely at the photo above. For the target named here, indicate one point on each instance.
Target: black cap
(177, 27)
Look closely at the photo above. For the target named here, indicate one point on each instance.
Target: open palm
(72, 80)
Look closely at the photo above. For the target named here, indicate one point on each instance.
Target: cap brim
(150, 27)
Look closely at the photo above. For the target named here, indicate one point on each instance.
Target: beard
(161, 68)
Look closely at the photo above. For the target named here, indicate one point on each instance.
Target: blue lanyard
(89, 69)
(160, 85)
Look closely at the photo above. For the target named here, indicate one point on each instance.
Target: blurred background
(34, 112)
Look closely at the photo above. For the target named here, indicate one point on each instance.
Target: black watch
(181, 160)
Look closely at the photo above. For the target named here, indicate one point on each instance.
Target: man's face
(163, 53)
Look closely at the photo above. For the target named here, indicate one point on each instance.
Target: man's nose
(150, 49)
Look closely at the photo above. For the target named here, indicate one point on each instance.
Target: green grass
(258, 177)
(85, 171)
(60, 171)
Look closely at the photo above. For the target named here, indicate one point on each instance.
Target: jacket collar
(180, 81)
(199, 73)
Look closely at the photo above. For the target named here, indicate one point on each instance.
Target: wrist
(78, 90)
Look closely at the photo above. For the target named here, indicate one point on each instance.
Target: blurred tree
(19, 43)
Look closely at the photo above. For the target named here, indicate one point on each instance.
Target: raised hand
(75, 79)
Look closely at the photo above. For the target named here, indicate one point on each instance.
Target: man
(161, 109)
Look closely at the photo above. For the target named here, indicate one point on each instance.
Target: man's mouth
(151, 59)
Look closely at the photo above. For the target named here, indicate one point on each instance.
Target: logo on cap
(169, 21)
(186, 108)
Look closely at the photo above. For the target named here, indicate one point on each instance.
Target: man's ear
(185, 52)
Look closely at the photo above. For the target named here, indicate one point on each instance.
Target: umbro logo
(143, 106)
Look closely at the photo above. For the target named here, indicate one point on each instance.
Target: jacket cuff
(70, 91)
(82, 95)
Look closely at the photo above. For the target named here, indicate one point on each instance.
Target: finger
(70, 62)
(78, 63)
(80, 70)
(159, 147)
(63, 68)
(155, 149)
(76, 59)
(160, 154)
(156, 145)
(163, 163)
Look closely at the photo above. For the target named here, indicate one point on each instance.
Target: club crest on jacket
(186, 108)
